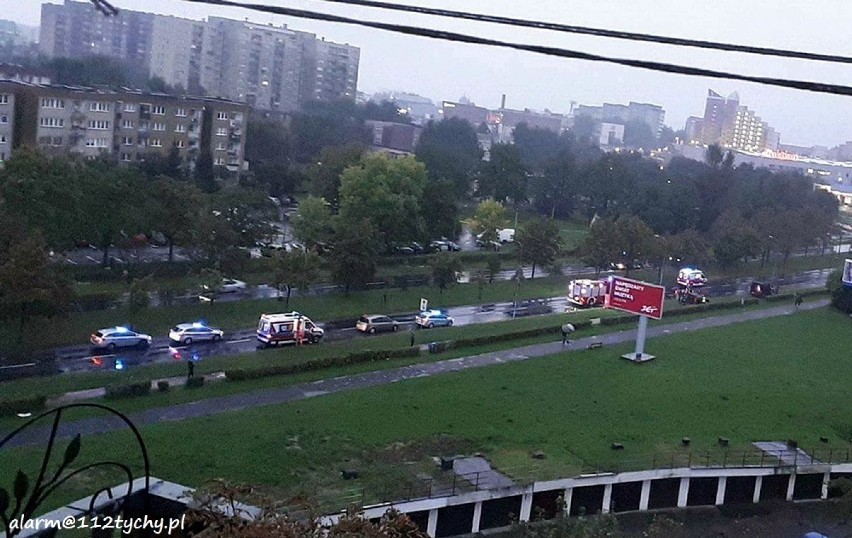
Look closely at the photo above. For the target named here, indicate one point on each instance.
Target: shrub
(163, 386)
(320, 364)
(95, 301)
(10, 408)
(128, 390)
(194, 382)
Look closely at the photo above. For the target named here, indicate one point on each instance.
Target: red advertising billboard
(635, 297)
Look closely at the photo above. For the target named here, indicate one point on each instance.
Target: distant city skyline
(446, 71)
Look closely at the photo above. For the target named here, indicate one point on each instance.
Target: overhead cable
(819, 87)
(598, 32)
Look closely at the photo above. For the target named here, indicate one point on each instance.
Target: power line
(598, 32)
(818, 87)
(105, 8)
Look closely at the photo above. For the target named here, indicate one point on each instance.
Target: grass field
(777, 379)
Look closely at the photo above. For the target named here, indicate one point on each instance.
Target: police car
(114, 337)
(187, 333)
(433, 318)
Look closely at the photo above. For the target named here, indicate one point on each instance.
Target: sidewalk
(238, 402)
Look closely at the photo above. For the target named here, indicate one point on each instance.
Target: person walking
(412, 339)
(190, 367)
(798, 300)
(567, 329)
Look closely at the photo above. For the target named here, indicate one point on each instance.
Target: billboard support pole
(639, 355)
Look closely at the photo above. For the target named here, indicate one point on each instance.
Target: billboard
(847, 273)
(635, 297)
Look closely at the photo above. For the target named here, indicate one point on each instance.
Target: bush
(128, 390)
(194, 382)
(9, 408)
(163, 386)
(95, 301)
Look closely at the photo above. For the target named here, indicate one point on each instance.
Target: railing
(26, 496)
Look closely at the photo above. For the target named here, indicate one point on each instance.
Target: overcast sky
(443, 70)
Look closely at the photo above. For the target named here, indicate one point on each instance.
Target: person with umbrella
(566, 330)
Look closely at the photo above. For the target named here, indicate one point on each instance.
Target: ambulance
(691, 278)
(288, 328)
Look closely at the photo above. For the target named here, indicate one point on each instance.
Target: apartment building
(8, 92)
(732, 125)
(268, 67)
(126, 125)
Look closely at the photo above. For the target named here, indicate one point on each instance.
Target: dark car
(689, 296)
(761, 290)
(376, 323)
(533, 307)
(407, 251)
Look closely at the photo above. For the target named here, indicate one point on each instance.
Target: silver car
(114, 337)
(187, 333)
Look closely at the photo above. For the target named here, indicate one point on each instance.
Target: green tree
(440, 209)
(295, 269)
(388, 192)
(537, 147)
(553, 190)
(353, 256)
(450, 150)
(601, 246)
(323, 176)
(174, 208)
(139, 298)
(209, 282)
(30, 286)
(492, 268)
(634, 237)
(489, 218)
(538, 243)
(445, 270)
(313, 224)
(503, 176)
(205, 174)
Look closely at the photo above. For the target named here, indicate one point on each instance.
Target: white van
(288, 328)
(506, 235)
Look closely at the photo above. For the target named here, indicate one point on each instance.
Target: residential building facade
(129, 126)
(734, 126)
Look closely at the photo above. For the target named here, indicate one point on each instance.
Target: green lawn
(777, 379)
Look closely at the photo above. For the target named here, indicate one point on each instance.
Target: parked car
(405, 251)
(187, 333)
(761, 290)
(114, 337)
(376, 323)
(230, 285)
(433, 318)
(444, 246)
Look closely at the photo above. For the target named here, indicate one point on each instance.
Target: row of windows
(4, 98)
(97, 143)
(51, 122)
(48, 102)
(101, 125)
(98, 106)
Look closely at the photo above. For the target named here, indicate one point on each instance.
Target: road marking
(18, 365)
(239, 341)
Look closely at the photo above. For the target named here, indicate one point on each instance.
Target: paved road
(238, 402)
(82, 358)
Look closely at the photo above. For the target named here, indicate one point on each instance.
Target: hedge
(194, 382)
(128, 390)
(328, 362)
(10, 408)
(163, 386)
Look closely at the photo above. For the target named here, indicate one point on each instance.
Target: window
(56, 141)
(221, 115)
(126, 157)
(221, 131)
(127, 141)
(96, 142)
(220, 146)
(156, 143)
(144, 125)
(159, 126)
(220, 162)
(4, 99)
(52, 103)
(101, 125)
(4, 118)
(127, 124)
(98, 106)
(180, 128)
(156, 109)
(2, 139)
(180, 144)
(180, 112)
(51, 122)
(129, 107)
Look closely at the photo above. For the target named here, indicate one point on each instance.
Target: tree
(210, 282)
(295, 269)
(30, 285)
(388, 192)
(440, 209)
(445, 270)
(503, 176)
(492, 268)
(537, 147)
(600, 248)
(353, 256)
(538, 242)
(175, 208)
(583, 128)
(450, 150)
(205, 174)
(323, 176)
(313, 224)
(139, 298)
(323, 124)
(634, 238)
(489, 218)
(553, 191)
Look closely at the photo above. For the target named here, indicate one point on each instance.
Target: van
(506, 235)
(288, 328)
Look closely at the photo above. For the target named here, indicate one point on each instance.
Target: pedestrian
(566, 330)
(412, 339)
(190, 366)
(798, 300)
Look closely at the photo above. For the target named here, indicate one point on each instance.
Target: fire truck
(587, 293)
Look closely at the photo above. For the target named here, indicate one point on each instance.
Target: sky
(446, 71)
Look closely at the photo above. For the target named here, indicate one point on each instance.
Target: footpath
(242, 401)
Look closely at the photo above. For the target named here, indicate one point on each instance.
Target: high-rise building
(268, 67)
(651, 115)
(735, 126)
